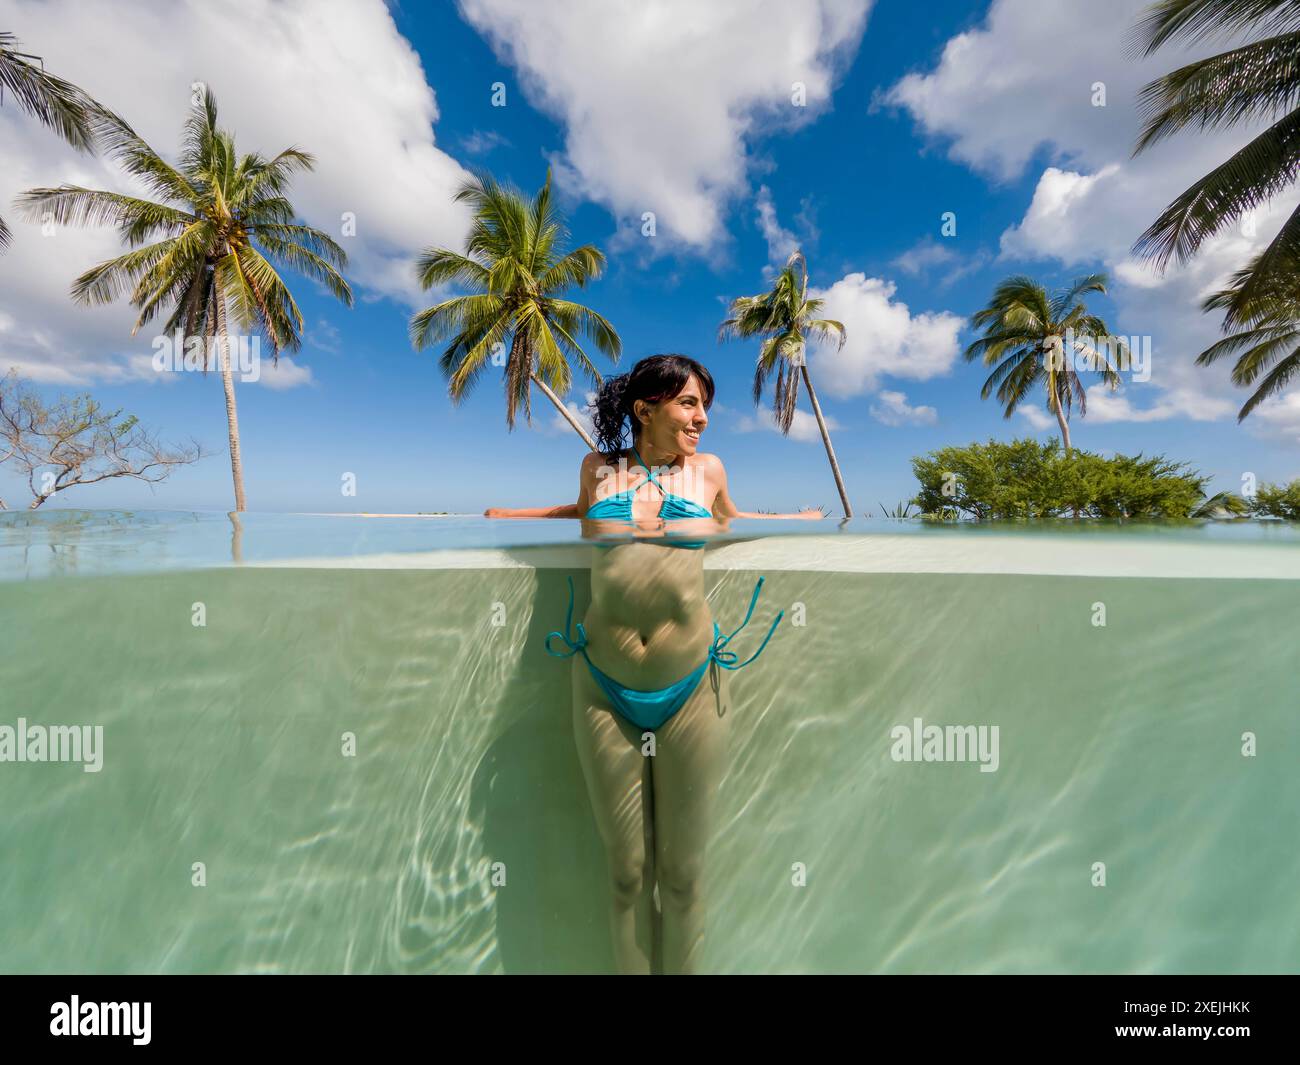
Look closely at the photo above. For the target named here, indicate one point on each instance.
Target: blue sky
(912, 113)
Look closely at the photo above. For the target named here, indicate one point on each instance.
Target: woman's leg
(690, 758)
(618, 782)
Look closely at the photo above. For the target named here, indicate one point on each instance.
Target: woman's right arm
(565, 510)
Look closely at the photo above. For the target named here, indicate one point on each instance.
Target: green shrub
(1277, 501)
(1027, 479)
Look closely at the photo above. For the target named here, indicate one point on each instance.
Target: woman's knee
(680, 882)
(627, 880)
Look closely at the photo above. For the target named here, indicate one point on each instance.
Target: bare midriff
(649, 623)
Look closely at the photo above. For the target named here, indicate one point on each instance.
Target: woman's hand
(810, 514)
(496, 512)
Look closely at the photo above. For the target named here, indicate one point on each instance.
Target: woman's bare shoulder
(593, 461)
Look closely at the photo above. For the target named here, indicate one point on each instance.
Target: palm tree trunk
(568, 414)
(826, 439)
(1065, 426)
(236, 538)
(228, 383)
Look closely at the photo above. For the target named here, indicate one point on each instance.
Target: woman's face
(674, 425)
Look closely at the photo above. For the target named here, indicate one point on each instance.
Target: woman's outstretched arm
(586, 472)
(725, 507)
(810, 514)
(566, 510)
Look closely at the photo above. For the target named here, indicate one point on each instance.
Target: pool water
(361, 760)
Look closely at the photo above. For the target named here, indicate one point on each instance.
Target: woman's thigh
(618, 775)
(690, 759)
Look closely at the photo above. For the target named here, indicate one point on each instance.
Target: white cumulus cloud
(892, 408)
(803, 426)
(660, 102)
(885, 339)
(780, 241)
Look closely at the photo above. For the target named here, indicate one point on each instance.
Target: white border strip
(1032, 554)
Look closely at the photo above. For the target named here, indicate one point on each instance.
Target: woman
(651, 737)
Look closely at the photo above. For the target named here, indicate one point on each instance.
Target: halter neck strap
(649, 472)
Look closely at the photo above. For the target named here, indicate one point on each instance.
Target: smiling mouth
(691, 434)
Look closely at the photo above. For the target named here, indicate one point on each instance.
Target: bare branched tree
(76, 441)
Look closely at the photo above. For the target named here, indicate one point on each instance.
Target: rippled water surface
(459, 837)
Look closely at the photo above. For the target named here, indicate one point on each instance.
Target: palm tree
(515, 263)
(1267, 331)
(1025, 340)
(785, 317)
(203, 249)
(53, 102)
(1259, 80)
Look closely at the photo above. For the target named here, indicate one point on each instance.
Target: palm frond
(55, 103)
(1193, 21)
(112, 279)
(1066, 300)
(261, 179)
(1257, 81)
(576, 318)
(453, 317)
(72, 205)
(120, 142)
(1247, 179)
(308, 263)
(1275, 381)
(439, 266)
(262, 301)
(572, 270)
(825, 328)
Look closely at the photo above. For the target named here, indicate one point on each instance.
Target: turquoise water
(459, 836)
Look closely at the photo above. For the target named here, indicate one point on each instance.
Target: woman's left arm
(725, 507)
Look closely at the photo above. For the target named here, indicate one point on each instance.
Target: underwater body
(349, 752)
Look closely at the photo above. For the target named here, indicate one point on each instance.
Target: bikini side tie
(574, 648)
(727, 659)
(717, 650)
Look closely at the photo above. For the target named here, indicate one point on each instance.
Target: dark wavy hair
(653, 379)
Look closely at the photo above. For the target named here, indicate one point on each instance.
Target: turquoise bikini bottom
(651, 709)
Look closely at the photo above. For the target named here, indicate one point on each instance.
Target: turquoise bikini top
(618, 507)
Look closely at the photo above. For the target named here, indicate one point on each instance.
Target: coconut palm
(516, 266)
(785, 318)
(203, 248)
(53, 102)
(1259, 80)
(1265, 331)
(1026, 340)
